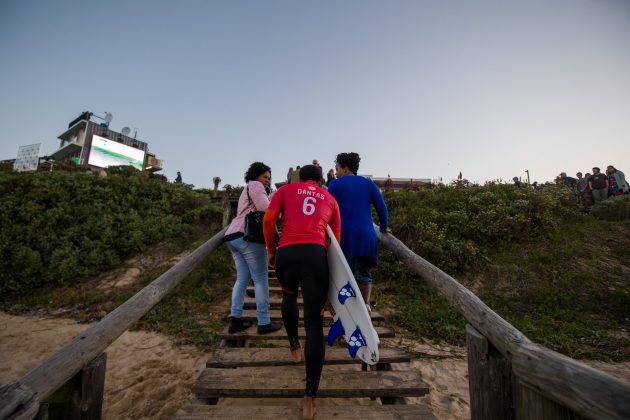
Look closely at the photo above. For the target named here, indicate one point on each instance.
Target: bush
(60, 227)
(454, 227)
(614, 208)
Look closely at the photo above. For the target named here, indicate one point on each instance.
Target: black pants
(305, 265)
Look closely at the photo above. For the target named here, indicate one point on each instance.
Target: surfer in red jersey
(300, 260)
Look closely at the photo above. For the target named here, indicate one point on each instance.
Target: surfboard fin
(346, 292)
(336, 330)
(355, 343)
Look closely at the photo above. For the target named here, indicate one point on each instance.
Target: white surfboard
(351, 318)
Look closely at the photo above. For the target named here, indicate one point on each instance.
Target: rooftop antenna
(126, 131)
(135, 131)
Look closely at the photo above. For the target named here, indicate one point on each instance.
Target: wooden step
(250, 315)
(274, 302)
(280, 356)
(289, 381)
(251, 334)
(291, 411)
(277, 290)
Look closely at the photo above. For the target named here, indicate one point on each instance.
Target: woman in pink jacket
(250, 257)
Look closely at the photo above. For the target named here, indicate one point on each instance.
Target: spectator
(330, 176)
(567, 180)
(295, 176)
(617, 183)
(289, 175)
(584, 192)
(178, 180)
(598, 184)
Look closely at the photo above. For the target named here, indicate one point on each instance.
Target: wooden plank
(533, 405)
(17, 402)
(44, 379)
(280, 356)
(290, 410)
(588, 392)
(276, 290)
(276, 315)
(274, 302)
(289, 381)
(596, 394)
(489, 379)
(82, 396)
(251, 334)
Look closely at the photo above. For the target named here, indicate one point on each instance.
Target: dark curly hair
(255, 170)
(349, 160)
(310, 173)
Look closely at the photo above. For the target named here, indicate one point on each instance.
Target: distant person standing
(178, 180)
(355, 196)
(598, 183)
(584, 193)
(295, 175)
(617, 184)
(289, 173)
(330, 177)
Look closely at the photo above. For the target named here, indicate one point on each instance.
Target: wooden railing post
(82, 396)
(530, 404)
(489, 379)
(226, 206)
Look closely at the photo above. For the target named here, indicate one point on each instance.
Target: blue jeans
(251, 263)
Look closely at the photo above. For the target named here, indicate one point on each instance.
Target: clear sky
(418, 88)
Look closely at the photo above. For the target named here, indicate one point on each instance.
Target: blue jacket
(356, 195)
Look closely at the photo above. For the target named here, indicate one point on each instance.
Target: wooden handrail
(579, 387)
(43, 380)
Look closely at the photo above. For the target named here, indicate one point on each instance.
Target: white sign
(27, 158)
(105, 153)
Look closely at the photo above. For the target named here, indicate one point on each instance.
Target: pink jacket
(259, 202)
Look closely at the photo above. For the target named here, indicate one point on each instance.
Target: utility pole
(527, 172)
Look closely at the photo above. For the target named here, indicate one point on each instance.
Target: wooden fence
(80, 365)
(510, 377)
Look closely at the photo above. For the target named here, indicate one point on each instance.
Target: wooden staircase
(252, 376)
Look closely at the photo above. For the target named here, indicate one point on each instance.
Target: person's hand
(271, 260)
(387, 230)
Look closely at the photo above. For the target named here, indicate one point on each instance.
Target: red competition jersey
(306, 211)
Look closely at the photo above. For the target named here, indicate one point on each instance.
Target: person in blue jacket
(356, 195)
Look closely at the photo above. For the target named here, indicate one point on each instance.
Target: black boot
(237, 324)
(267, 328)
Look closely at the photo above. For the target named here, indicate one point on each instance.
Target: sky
(421, 89)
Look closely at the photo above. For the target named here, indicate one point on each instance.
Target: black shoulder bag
(253, 224)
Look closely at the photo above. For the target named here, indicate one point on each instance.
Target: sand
(149, 377)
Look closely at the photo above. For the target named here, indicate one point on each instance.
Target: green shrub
(60, 227)
(614, 208)
(454, 227)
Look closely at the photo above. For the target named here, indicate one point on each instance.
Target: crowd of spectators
(592, 188)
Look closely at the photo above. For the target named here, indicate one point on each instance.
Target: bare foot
(296, 355)
(307, 405)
